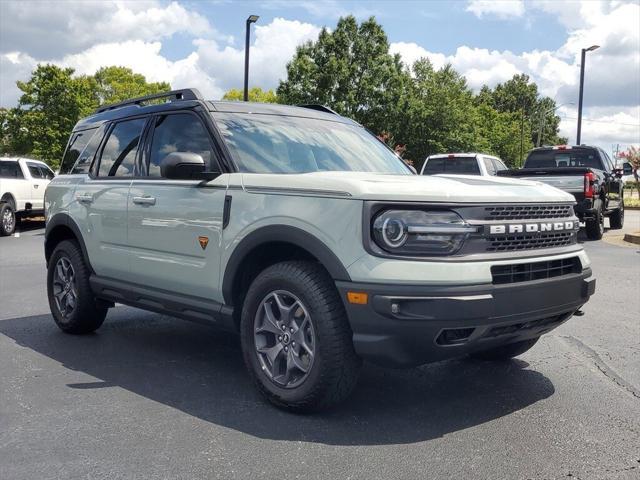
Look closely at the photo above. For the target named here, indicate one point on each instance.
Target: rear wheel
(595, 226)
(71, 300)
(7, 220)
(616, 219)
(296, 340)
(505, 352)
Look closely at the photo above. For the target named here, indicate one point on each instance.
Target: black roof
(189, 98)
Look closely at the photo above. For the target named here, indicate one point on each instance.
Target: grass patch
(632, 202)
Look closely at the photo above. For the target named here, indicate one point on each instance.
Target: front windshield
(280, 144)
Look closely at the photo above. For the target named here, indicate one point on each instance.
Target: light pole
(582, 60)
(543, 117)
(250, 20)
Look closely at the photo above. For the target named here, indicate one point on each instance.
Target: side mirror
(626, 168)
(185, 166)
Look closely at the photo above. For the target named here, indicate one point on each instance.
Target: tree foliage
(426, 110)
(54, 99)
(256, 94)
(351, 70)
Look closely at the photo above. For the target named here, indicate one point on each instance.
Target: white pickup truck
(22, 185)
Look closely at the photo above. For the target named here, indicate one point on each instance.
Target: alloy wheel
(8, 220)
(284, 338)
(65, 290)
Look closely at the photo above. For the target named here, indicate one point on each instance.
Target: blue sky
(201, 44)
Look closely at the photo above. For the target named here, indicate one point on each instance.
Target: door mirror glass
(185, 166)
(626, 168)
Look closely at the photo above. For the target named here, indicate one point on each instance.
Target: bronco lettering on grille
(531, 227)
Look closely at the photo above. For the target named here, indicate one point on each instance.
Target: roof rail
(319, 108)
(174, 95)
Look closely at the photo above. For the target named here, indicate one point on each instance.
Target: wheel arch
(10, 199)
(62, 227)
(269, 245)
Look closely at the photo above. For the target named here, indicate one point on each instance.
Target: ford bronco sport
(298, 229)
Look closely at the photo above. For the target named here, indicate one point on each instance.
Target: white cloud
(411, 52)
(53, 29)
(501, 9)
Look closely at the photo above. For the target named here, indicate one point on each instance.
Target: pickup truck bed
(585, 172)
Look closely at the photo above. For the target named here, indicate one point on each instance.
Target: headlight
(420, 232)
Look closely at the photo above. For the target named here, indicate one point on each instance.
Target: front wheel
(505, 352)
(296, 340)
(7, 220)
(72, 304)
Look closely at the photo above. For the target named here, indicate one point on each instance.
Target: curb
(632, 237)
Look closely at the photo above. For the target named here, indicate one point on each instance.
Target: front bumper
(405, 325)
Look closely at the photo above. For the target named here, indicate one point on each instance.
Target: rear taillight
(588, 184)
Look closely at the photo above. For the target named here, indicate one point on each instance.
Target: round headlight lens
(394, 232)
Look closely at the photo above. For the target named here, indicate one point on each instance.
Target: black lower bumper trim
(405, 325)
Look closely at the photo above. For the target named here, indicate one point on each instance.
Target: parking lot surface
(149, 397)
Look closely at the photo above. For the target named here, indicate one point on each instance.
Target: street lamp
(250, 20)
(582, 60)
(543, 117)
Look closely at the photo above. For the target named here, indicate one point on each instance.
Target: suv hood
(408, 188)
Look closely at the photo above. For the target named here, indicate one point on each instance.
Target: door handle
(84, 198)
(144, 200)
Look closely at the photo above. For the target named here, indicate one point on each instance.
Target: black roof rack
(174, 95)
(319, 108)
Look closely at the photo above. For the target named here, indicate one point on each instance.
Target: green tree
(52, 101)
(520, 94)
(351, 70)
(256, 94)
(116, 84)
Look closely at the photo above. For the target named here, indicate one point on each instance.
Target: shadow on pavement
(200, 372)
(29, 224)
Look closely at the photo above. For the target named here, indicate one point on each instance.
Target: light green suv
(298, 229)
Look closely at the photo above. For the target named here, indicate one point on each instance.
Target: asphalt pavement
(153, 397)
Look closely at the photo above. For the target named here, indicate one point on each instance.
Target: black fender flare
(65, 220)
(283, 234)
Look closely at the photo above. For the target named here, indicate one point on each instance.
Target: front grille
(526, 272)
(527, 212)
(507, 243)
(549, 322)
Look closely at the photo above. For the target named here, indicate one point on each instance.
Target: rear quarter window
(77, 144)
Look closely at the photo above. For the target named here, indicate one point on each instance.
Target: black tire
(616, 219)
(7, 220)
(86, 315)
(595, 227)
(505, 352)
(332, 374)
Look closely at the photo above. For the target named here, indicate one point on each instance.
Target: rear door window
(499, 165)
(10, 169)
(119, 152)
(46, 172)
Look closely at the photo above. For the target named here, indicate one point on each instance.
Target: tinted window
(76, 145)
(119, 152)
(10, 170)
(281, 144)
(488, 164)
(46, 172)
(178, 133)
(85, 159)
(582, 157)
(34, 170)
(498, 165)
(452, 165)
